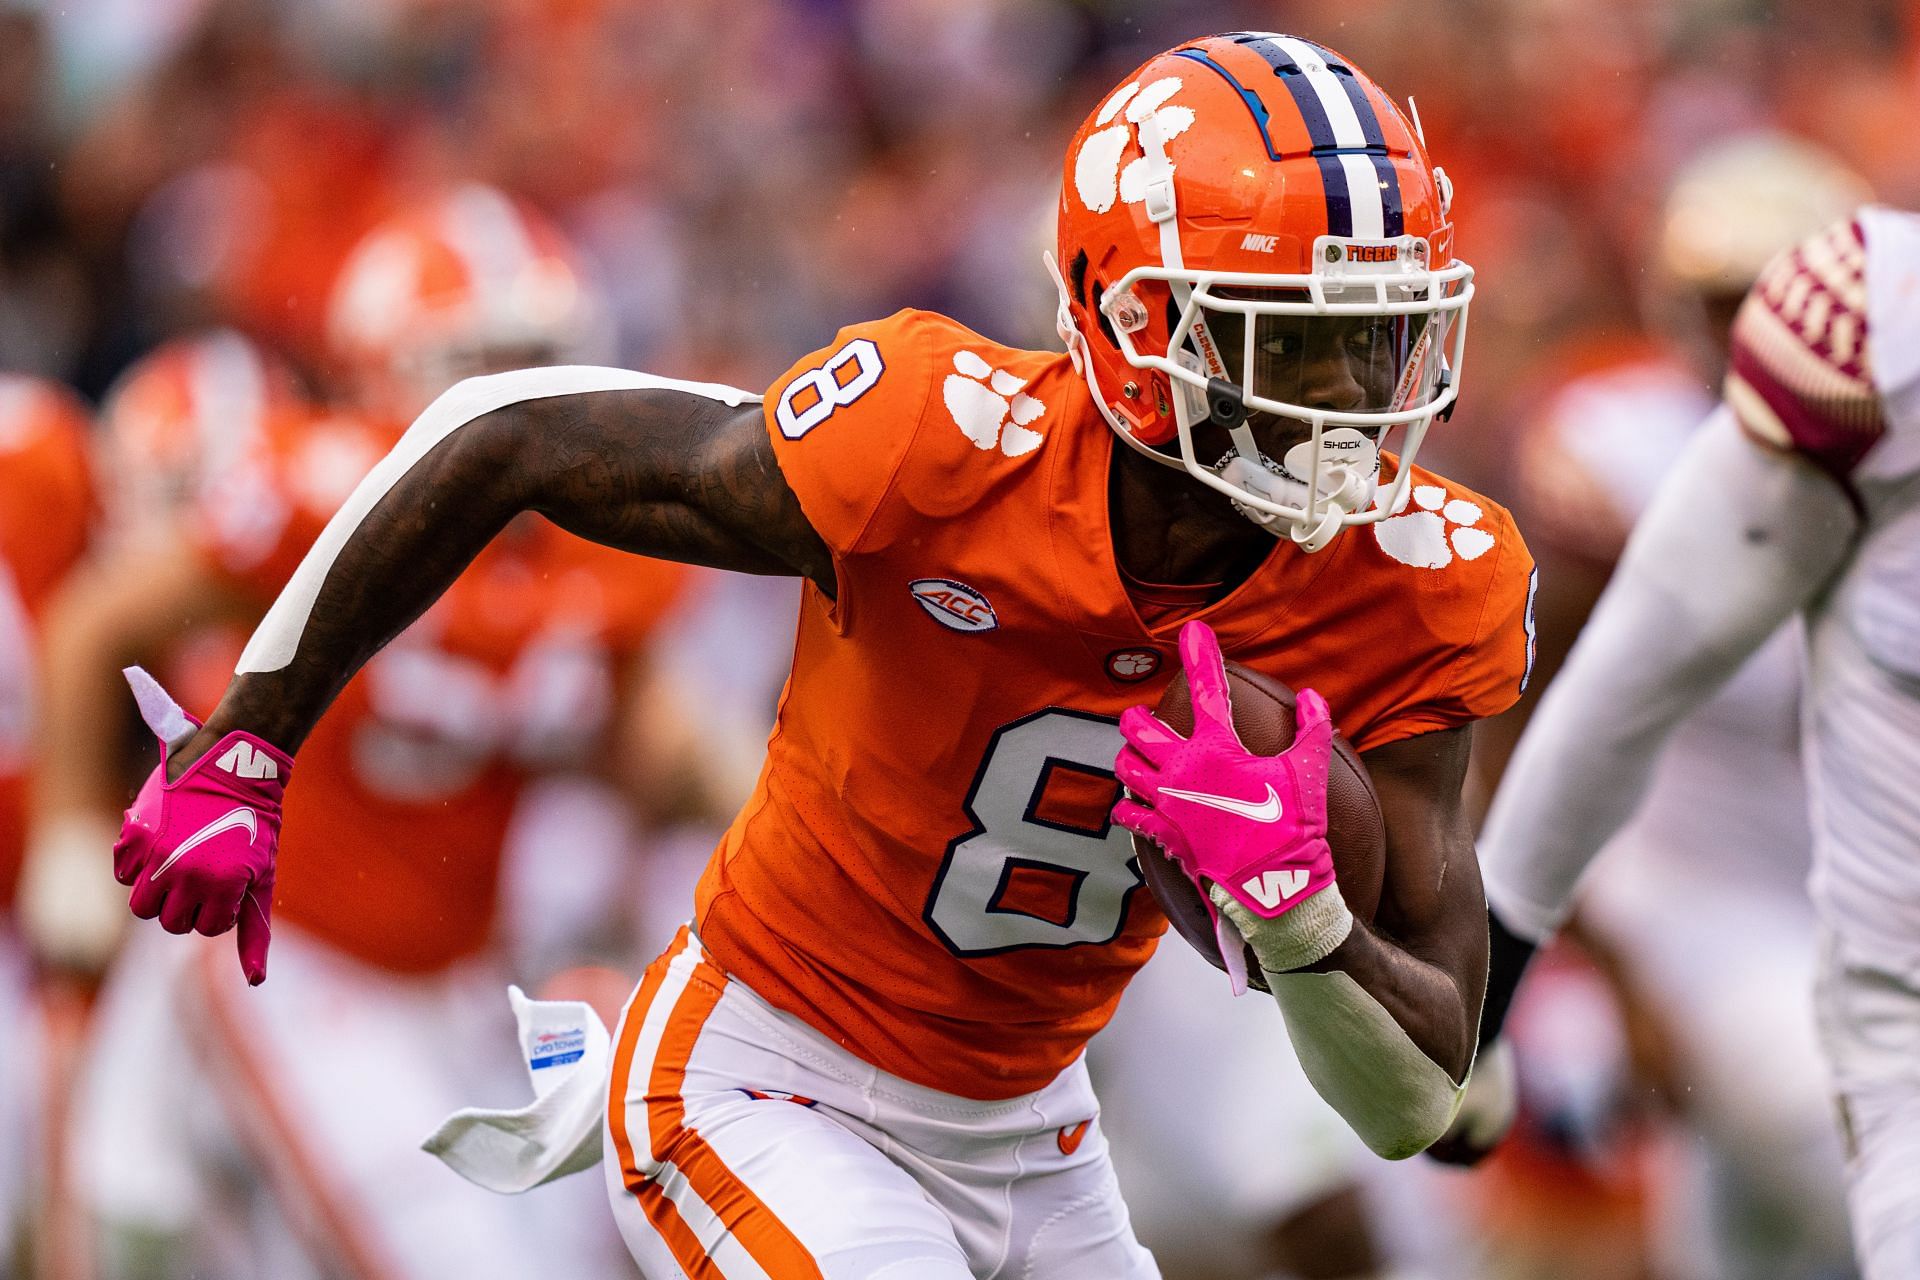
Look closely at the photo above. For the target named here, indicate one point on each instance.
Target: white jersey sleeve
(1862, 711)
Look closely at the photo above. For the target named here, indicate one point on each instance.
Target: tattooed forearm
(654, 471)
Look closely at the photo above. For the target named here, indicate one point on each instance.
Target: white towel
(568, 1055)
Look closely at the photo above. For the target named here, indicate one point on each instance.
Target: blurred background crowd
(723, 183)
(746, 175)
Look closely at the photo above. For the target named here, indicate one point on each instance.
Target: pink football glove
(199, 850)
(1254, 825)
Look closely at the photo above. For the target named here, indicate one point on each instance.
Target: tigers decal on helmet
(1239, 204)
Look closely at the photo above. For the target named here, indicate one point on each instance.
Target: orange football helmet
(472, 282)
(1251, 231)
(182, 416)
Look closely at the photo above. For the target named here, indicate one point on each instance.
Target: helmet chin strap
(1063, 322)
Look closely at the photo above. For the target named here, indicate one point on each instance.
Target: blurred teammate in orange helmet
(192, 408)
(864, 1058)
(326, 1085)
(467, 283)
(46, 516)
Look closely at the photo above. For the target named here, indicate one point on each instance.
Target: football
(1263, 717)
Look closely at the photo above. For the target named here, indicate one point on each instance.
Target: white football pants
(744, 1145)
(20, 1090)
(1870, 1028)
(285, 1120)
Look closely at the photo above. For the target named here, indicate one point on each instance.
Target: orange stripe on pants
(660, 1211)
(746, 1217)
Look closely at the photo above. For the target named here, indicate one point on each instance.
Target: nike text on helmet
(1240, 203)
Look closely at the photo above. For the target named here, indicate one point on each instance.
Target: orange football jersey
(46, 512)
(927, 871)
(398, 810)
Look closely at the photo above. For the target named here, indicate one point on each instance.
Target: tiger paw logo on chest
(991, 406)
(1131, 665)
(1436, 534)
(954, 604)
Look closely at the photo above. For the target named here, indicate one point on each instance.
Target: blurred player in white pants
(1699, 899)
(45, 521)
(325, 1085)
(1800, 496)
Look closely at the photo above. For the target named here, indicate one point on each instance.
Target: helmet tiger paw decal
(1097, 174)
(991, 407)
(1439, 531)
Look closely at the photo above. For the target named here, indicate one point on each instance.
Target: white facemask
(1349, 474)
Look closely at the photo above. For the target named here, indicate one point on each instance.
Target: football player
(46, 518)
(378, 1023)
(1798, 497)
(864, 1057)
(1727, 791)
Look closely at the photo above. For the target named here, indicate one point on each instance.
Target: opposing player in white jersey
(1799, 496)
(1698, 899)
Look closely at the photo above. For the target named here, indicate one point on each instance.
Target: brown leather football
(1263, 717)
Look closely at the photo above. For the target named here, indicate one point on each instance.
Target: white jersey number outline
(829, 392)
(965, 908)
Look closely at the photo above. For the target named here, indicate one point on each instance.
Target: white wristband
(1308, 933)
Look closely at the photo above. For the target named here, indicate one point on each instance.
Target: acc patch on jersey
(954, 604)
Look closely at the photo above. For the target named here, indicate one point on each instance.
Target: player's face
(1340, 363)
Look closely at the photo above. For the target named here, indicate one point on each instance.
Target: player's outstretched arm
(677, 470)
(1739, 537)
(680, 470)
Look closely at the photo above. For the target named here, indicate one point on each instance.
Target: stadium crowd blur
(745, 176)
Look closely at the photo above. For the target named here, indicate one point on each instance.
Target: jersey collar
(1087, 572)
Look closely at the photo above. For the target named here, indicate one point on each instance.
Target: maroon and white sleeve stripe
(1798, 375)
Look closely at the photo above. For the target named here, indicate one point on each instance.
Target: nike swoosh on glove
(199, 851)
(1250, 831)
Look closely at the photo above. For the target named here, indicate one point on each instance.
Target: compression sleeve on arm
(1737, 539)
(1360, 1060)
(277, 638)
(1397, 1099)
